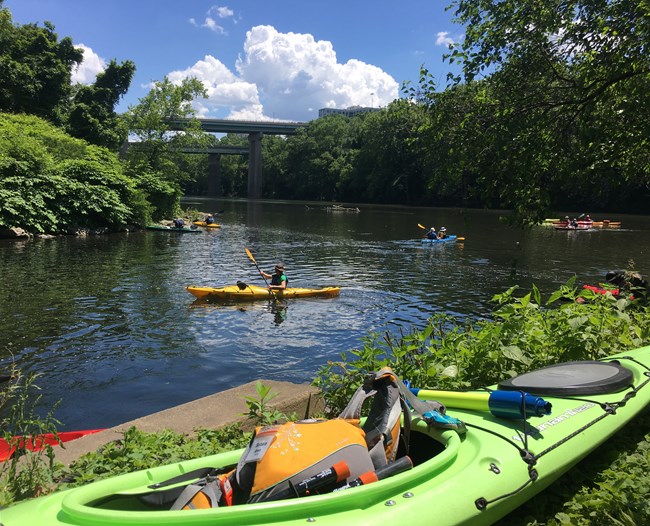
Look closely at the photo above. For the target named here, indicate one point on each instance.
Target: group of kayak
(178, 225)
(582, 222)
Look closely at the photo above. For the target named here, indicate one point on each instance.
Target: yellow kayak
(253, 292)
(206, 225)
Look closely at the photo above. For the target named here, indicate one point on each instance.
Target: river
(108, 325)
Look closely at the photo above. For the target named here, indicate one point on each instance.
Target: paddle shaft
(422, 227)
(250, 255)
(505, 404)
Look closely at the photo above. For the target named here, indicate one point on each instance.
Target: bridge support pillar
(214, 175)
(255, 165)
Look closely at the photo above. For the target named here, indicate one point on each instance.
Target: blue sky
(258, 59)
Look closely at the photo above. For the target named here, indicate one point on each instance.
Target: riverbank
(210, 412)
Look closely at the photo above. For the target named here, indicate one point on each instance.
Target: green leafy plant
(259, 410)
(524, 333)
(51, 182)
(141, 450)
(27, 473)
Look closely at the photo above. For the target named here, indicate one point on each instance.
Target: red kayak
(39, 442)
(599, 290)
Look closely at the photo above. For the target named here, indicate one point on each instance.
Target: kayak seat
(383, 426)
(388, 425)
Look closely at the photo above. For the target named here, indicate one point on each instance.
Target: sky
(258, 59)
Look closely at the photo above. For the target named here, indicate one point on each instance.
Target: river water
(108, 325)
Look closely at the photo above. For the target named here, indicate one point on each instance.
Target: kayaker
(431, 234)
(442, 233)
(209, 220)
(179, 223)
(278, 279)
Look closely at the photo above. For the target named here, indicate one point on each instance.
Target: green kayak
(173, 230)
(247, 292)
(470, 478)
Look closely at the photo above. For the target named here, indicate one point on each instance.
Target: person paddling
(431, 234)
(278, 279)
(442, 233)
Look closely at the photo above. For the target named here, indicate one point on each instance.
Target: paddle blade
(460, 239)
(248, 253)
(422, 227)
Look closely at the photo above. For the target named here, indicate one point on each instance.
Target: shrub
(524, 333)
(26, 474)
(50, 182)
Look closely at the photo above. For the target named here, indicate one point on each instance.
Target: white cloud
(212, 25)
(443, 39)
(288, 76)
(222, 11)
(210, 21)
(228, 95)
(91, 65)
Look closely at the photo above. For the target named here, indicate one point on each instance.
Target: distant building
(348, 112)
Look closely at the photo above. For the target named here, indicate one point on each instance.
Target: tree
(92, 116)
(456, 150)
(50, 182)
(572, 84)
(157, 156)
(35, 69)
(316, 157)
(391, 154)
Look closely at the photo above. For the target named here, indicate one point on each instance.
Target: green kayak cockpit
(431, 451)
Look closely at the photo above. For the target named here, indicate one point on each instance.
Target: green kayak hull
(253, 292)
(173, 230)
(471, 479)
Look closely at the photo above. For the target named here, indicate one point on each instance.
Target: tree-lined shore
(554, 118)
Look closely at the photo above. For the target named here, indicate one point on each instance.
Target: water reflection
(278, 308)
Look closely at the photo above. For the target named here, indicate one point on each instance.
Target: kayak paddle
(504, 404)
(250, 256)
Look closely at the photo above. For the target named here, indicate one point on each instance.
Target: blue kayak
(448, 239)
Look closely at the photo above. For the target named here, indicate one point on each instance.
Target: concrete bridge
(255, 131)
